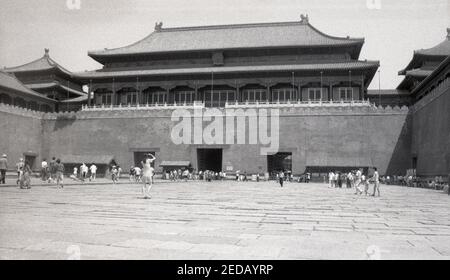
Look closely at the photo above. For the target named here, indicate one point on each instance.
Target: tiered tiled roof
(347, 65)
(438, 52)
(386, 92)
(442, 49)
(9, 81)
(55, 85)
(43, 63)
(423, 63)
(236, 36)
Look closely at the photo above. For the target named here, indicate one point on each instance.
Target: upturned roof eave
(30, 93)
(86, 76)
(100, 54)
(56, 85)
(417, 59)
(444, 64)
(107, 52)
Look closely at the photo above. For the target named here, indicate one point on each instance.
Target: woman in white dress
(147, 175)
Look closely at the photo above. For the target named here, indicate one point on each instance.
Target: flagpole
(293, 83)
(350, 82)
(321, 84)
(379, 87)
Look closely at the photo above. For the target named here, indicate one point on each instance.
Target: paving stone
(222, 220)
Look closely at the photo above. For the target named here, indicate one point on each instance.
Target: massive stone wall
(20, 132)
(431, 124)
(314, 135)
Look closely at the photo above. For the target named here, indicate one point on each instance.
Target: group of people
(84, 172)
(185, 174)
(355, 179)
(176, 175)
(23, 172)
(53, 171)
(116, 171)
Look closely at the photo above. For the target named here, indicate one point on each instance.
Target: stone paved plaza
(223, 220)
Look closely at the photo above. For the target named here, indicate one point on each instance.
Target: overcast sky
(392, 29)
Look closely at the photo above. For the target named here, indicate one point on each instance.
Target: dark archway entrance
(141, 156)
(278, 162)
(209, 159)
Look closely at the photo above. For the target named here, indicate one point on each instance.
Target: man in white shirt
(137, 174)
(349, 180)
(83, 171)
(93, 169)
(331, 178)
(376, 178)
(44, 170)
(358, 181)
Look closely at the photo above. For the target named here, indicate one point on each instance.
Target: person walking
(137, 174)
(44, 170)
(339, 180)
(93, 169)
(52, 170)
(331, 178)
(25, 177)
(448, 183)
(114, 174)
(59, 173)
(281, 178)
(358, 182)
(376, 179)
(83, 171)
(147, 175)
(3, 168)
(336, 179)
(75, 173)
(19, 169)
(365, 182)
(119, 172)
(349, 180)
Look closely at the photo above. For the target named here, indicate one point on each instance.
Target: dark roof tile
(281, 34)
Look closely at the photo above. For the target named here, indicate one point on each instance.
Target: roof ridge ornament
(304, 19)
(46, 52)
(158, 26)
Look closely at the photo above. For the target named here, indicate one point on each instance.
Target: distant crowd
(355, 179)
(53, 172)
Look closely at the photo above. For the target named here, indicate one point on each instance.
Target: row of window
(220, 97)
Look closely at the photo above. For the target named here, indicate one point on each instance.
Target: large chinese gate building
(328, 120)
(268, 62)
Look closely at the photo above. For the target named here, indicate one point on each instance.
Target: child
(131, 173)
(365, 182)
(281, 178)
(75, 172)
(137, 174)
(114, 172)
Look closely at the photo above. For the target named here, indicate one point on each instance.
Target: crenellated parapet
(286, 109)
(165, 111)
(11, 109)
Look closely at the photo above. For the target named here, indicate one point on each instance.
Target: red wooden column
(114, 95)
(89, 93)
